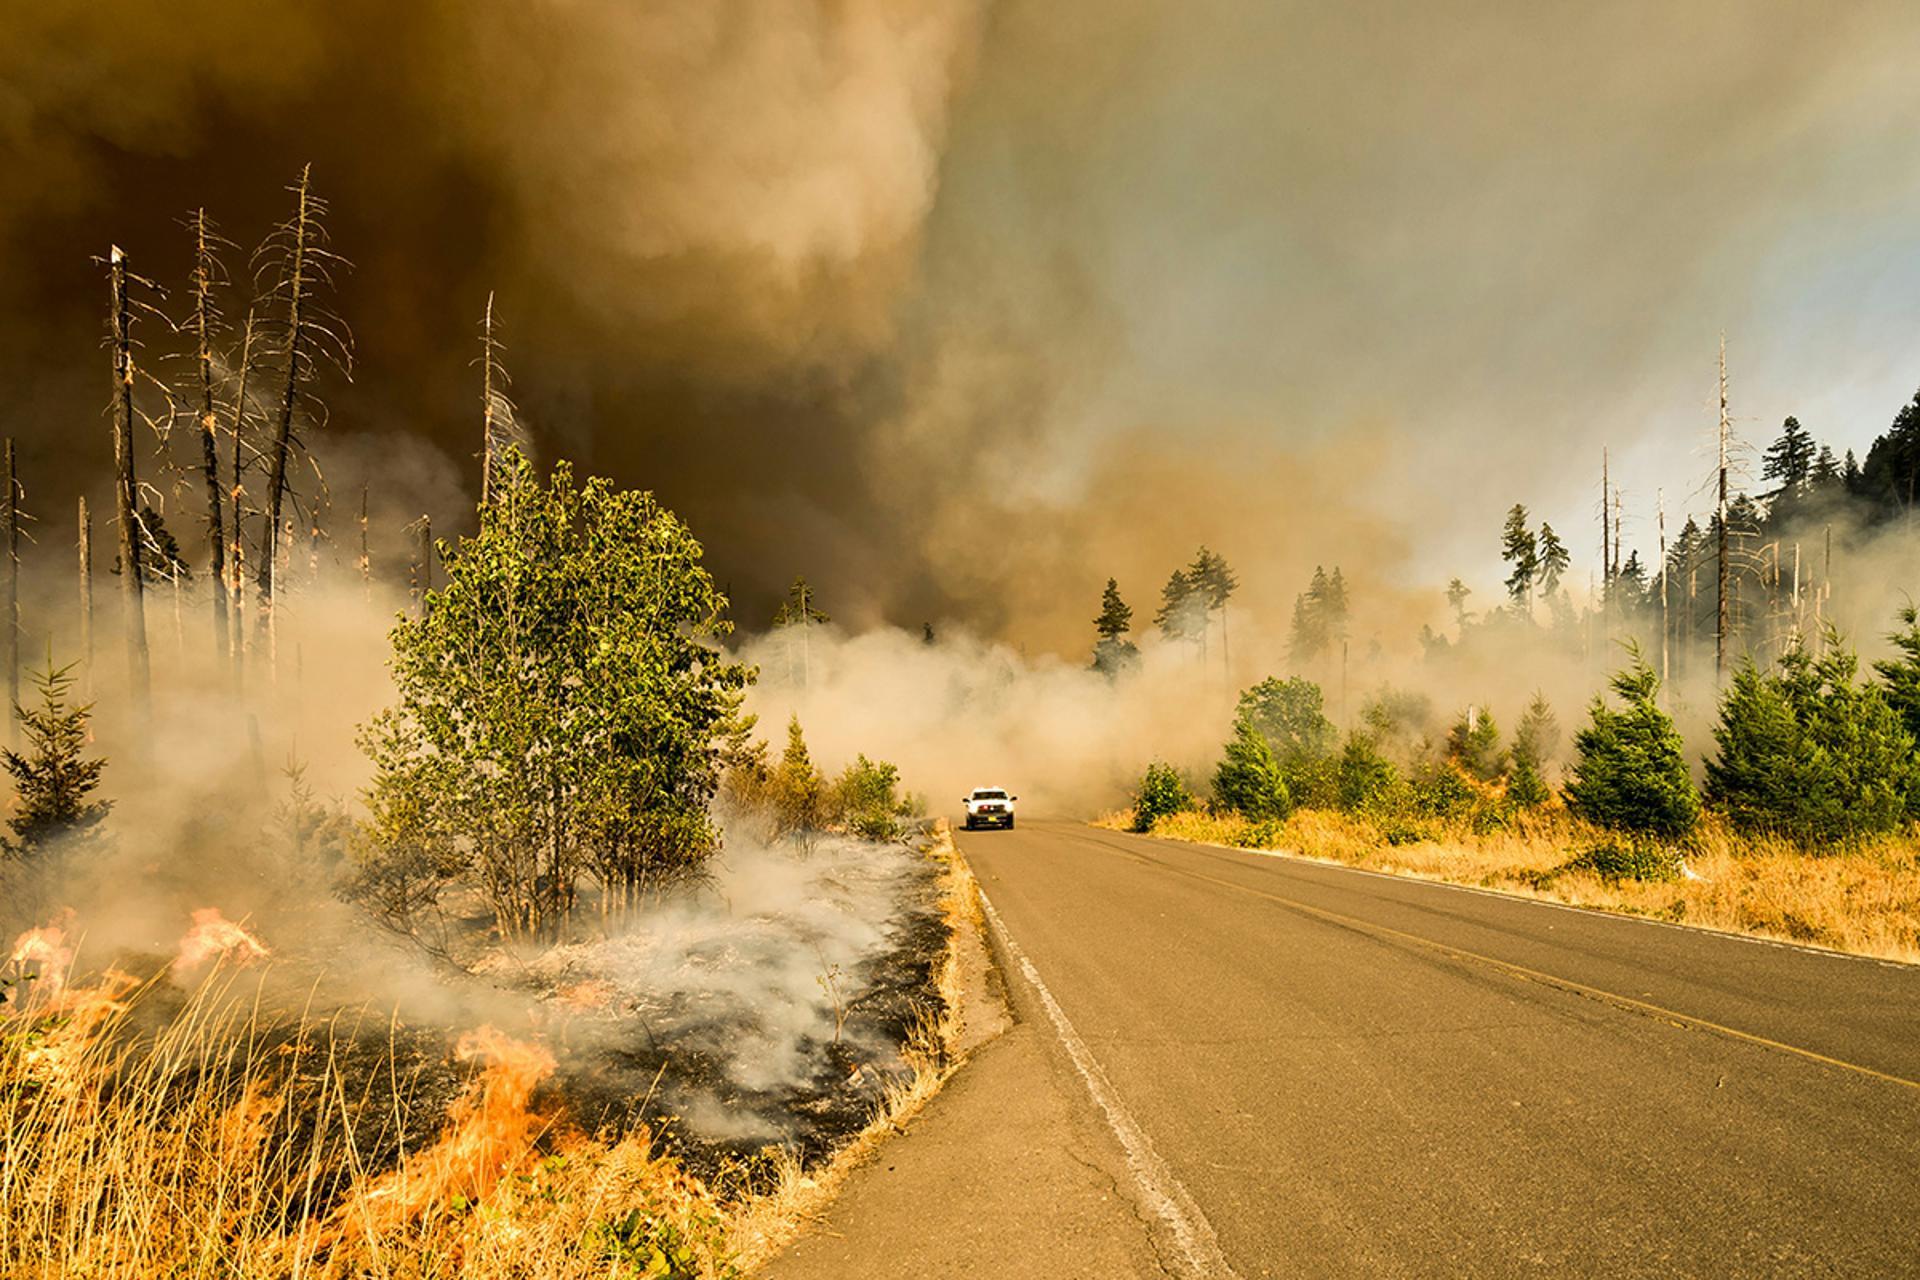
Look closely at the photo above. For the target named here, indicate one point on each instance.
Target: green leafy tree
(1630, 769)
(1536, 740)
(1519, 548)
(1809, 753)
(1248, 779)
(1162, 792)
(54, 777)
(866, 798)
(1290, 714)
(563, 706)
(1113, 653)
(1474, 744)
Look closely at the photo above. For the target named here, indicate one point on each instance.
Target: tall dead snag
(499, 425)
(1720, 509)
(237, 516)
(86, 598)
(203, 325)
(10, 535)
(366, 558)
(125, 489)
(297, 257)
(423, 564)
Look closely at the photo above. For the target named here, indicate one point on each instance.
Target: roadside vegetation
(1804, 830)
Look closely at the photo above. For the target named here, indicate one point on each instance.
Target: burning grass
(1863, 899)
(148, 1127)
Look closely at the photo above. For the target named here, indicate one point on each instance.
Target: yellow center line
(1683, 1020)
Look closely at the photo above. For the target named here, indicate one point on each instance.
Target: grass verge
(1863, 899)
(149, 1131)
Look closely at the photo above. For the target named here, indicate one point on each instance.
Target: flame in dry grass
(43, 957)
(214, 936)
(490, 1131)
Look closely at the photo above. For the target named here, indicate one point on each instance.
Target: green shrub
(1808, 753)
(1162, 791)
(1630, 769)
(1365, 778)
(1248, 780)
(1288, 712)
(1440, 790)
(866, 799)
(1628, 860)
(1260, 835)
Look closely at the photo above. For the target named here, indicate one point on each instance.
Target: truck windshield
(989, 795)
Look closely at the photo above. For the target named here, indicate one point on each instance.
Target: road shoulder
(1008, 1171)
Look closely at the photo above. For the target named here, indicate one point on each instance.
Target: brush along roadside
(151, 1128)
(1863, 898)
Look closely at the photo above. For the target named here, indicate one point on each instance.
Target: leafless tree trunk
(126, 494)
(205, 275)
(86, 599)
(366, 558)
(297, 286)
(10, 531)
(423, 565)
(1726, 431)
(1606, 546)
(1660, 509)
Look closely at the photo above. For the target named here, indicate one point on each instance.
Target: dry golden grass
(226, 1145)
(1863, 899)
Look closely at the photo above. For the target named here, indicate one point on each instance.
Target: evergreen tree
(799, 788)
(1890, 477)
(926, 633)
(1182, 614)
(1365, 776)
(1248, 779)
(1519, 548)
(1553, 559)
(54, 776)
(1535, 741)
(798, 610)
(1630, 768)
(1902, 673)
(1112, 651)
(1474, 744)
(1850, 475)
(1808, 753)
(1319, 616)
(1212, 580)
(1790, 459)
(1826, 470)
(1457, 593)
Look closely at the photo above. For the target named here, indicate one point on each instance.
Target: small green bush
(1162, 791)
(1365, 777)
(1260, 835)
(867, 800)
(1474, 745)
(1628, 860)
(1440, 791)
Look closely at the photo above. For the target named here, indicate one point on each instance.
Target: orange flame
(213, 935)
(490, 1130)
(43, 956)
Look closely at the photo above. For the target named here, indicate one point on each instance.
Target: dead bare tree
(86, 598)
(297, 259)
(204, 325)
(126, 488)
(366, 559)
(497, 421)
(237, 546)
(1720, 509)
(10, 533)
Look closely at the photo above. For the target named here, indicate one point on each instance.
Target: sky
(959, 309)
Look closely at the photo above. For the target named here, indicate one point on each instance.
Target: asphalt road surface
(1314, 1070)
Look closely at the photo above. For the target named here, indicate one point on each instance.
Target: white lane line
(1192, 1233)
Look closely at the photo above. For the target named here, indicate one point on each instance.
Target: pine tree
(1248, 779)
(1630, 768)
(1902, 674)
(1519, 548)
(1808, 753)
(1457, 593)
(1535, 740)
(1474, 744)
(1182, 614)
(799, 788)
(1553, 559)
(1319, 615)
(1112, 651)
(53, 777)
(1790, 459)
(1826, 469)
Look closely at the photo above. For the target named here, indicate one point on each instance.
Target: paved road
(1318, 1071)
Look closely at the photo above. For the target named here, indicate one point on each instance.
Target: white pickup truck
(989, 807)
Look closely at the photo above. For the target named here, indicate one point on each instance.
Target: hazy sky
(959, 309)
